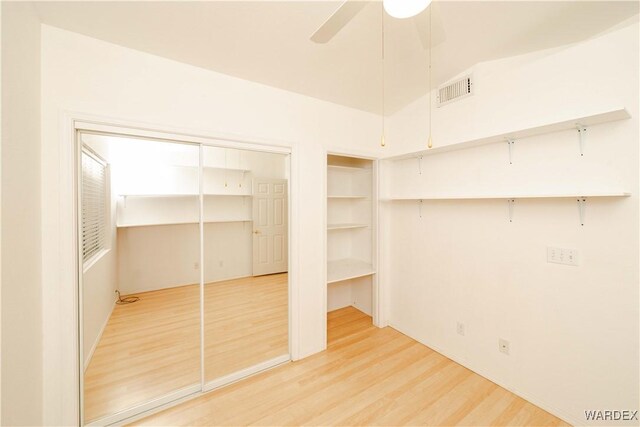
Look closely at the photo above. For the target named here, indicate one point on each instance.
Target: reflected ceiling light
(404, 8)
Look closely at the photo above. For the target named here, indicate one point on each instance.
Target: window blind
(94, 206)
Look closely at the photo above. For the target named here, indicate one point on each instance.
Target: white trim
(67, 354)
(123, 417)
(271, 364)
(86, 265)
(201, 259)
(87, 358)
(173, 135)
(244, 373)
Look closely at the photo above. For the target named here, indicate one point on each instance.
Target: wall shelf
(346, 269)
(345, 226)
(187, 195)
(220, 168)
(571, 195)
(182, 223)
(348, 197)
(578, 123)
(580, 197)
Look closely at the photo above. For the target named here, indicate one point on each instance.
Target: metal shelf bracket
(582, 135)
(510, 143)
(420, 165)
(420, 208)
(582, 207)
(511, 204)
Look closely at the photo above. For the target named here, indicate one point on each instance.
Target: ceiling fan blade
(343, 14)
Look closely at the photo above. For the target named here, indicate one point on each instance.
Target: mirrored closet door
(245, 262)
(184, 256)
(140, 279)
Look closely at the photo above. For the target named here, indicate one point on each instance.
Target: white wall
(90, 76)
(21, 293)
(573, 331)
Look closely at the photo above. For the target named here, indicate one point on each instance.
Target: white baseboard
(532, 399)
(89, 355)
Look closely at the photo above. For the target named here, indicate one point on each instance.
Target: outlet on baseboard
(460, 328)
(503, 346)
(562, 256)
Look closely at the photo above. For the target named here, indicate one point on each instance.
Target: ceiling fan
(350, 8)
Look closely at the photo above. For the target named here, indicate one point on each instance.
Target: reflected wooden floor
(152, 347)
(367, 376)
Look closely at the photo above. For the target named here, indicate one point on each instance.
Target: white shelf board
(345, 226)
(347, 197)
(576, 194)
(186, 195)
(346, 269)
(182, 223)
(221, 168)
(590, 120)
(347, 168)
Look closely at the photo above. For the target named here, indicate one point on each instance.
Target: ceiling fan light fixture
(404, 8)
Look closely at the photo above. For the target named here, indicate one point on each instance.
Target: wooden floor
(367, 376)
(152, 347)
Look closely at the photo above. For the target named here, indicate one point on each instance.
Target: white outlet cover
(503, 346)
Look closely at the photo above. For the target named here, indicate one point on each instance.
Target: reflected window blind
(93, 206)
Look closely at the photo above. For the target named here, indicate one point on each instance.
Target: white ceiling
(268, 41)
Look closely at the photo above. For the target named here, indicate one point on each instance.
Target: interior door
(270, 211)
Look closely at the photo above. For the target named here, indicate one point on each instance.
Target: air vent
(455, 90)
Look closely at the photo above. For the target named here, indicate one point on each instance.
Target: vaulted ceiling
(268, 41)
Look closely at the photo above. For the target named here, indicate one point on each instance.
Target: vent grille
(455, 90)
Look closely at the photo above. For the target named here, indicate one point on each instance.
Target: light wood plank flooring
(367, 376)
(152, 347)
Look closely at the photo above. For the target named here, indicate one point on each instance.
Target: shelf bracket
(420, 208)
(420, 165)
(582, 207)
(511, 204)
(242, 180)
(582, 134)
(510, 143)
(124, 201)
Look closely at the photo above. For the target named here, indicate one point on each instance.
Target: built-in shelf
(347, 168)
(578, 122)
(346, 269)
(187, 195)
(182, 223)
(348, 197)
(577, 194)
(345, 226)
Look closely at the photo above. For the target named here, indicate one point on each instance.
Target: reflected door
(269, 226)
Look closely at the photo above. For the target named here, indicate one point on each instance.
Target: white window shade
(94, 206)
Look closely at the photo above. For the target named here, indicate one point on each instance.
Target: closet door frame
(79, 124)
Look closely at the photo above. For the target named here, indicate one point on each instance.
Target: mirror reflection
(152, 271)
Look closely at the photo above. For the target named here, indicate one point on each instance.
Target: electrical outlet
(503, 346)
(562, 256)
(460, 328)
